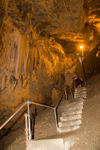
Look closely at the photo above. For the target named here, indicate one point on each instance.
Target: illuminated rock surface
(38, 45)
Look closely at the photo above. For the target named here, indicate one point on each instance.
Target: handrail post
(29, 125)
(56, 120)
(26, 127)
(65, 94)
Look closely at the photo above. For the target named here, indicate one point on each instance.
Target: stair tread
(67, 129)
(71, 117)
(69, 123)
(77, 111)
(74, 107)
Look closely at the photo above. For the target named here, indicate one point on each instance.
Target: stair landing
(56, 142)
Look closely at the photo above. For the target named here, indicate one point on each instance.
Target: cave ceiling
(66, 21)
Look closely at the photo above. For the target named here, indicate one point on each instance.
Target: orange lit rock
(38, 46)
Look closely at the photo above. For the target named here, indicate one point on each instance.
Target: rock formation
(38, 45)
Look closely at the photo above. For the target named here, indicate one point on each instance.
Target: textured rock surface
(38, 45)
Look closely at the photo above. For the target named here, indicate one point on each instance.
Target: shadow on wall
(91, 64)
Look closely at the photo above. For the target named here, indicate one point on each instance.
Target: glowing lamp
(81, 47)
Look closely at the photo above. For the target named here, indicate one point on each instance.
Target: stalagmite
(26, 54)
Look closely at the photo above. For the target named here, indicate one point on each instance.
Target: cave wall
(28, 72)
(39, 41)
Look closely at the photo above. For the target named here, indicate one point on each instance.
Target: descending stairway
(80, 93)
(71, 117)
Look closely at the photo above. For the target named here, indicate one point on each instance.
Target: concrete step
(48, 144)
(75, 100)
(80, 96)
(72, 112)
(70, 123)
(80, 106)
(67, 129)
(72, 117)
(80, 89)
(70, 102)
(79, 99)
(56, 142)
(80, 92)
(74, 104)
(73, 108)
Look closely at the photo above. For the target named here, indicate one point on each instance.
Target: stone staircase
(71, 115)
(80, 93)
(70, 119)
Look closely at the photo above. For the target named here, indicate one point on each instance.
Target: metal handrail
(42, 105)
(11, 116)
(27, 103)
(21, 108)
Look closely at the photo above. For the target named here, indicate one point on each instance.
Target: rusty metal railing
(11, 116)
(34, 103)
(27, 116)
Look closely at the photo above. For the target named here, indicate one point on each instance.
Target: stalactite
(3, 82)
(22, 56)
(17, 59)
(31, 63)
(33, 58)
(26, 55)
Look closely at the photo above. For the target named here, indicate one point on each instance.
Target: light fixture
(81, 47)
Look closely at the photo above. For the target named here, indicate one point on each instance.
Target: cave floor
(88, 136)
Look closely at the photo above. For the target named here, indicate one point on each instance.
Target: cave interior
(40, 47)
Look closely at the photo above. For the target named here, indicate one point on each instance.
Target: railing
(27, 116)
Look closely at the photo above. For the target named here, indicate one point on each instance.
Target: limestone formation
(39, 40)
